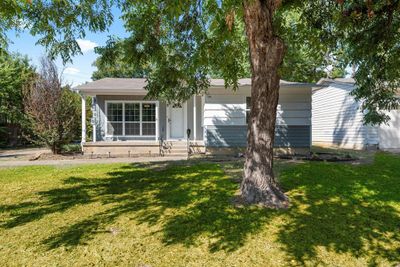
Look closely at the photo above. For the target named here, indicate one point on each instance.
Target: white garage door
(389, 134)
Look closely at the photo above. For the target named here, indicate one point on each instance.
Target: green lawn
(182, 215)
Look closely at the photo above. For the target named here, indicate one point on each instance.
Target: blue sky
(80, 70)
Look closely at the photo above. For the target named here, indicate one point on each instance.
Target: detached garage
(337, 120)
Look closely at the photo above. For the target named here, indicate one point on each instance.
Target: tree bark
(266, 54)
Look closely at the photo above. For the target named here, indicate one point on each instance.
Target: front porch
(143, 148)
(126, 124)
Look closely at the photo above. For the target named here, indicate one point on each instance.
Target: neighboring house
(337, 119)
(125, 123)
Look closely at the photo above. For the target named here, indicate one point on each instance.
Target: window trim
(123, 102)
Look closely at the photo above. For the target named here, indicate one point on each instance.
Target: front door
(176, 122)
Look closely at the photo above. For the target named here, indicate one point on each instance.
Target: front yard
(182, 215)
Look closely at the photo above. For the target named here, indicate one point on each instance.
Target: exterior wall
(225, 118)
(337, 119)
(236, 136)
(389, 134)
(100, 117)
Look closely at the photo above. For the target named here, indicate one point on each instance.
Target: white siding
(389, 134)
(221, 109)
(337, 119)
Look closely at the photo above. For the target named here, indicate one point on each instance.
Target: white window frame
(123, 102)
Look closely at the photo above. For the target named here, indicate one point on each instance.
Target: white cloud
(86, 45)
(71, 71)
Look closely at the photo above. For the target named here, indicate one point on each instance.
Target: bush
(71, 148)
(53, 110)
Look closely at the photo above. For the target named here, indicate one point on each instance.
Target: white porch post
(157, 122)
(94, 110)
(194, 119)
(83, 119)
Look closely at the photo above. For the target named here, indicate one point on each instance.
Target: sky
(81, 69)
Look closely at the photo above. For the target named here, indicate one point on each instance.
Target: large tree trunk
(266, 54)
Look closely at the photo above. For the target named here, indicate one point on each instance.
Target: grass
(182, 215)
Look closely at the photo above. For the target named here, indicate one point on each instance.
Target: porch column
(194, 119)
(157, 121)
(94, 114)
(83, 119)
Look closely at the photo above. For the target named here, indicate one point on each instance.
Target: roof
(349, 81)
(344, 83)
(137, 85)
(106, 84)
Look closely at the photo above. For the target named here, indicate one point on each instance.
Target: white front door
(176, 123)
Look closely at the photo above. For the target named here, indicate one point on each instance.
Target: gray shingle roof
(114, 83)
(137, 85)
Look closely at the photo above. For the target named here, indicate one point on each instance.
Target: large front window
(131, 119)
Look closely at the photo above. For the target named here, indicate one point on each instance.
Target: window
(131, 119)
(115, 120)
(248, 108)
(148, 119)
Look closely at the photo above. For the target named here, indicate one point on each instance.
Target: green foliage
(367, 35)
(183, 43)
(57, 23)
(15, 73)
(307, 58)
(71, 148)
(113, 62)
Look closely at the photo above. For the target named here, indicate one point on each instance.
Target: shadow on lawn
(343, 208)
(186, 200)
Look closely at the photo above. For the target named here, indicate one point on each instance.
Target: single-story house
(337, 119)
(125, 123)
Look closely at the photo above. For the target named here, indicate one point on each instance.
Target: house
(337, 119)
(124, 122)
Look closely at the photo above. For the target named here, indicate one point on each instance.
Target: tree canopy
(187, 41)
(15, 73)
(114, 63)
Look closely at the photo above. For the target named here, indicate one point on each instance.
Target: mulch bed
(321, 156)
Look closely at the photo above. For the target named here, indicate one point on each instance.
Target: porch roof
(135, 86)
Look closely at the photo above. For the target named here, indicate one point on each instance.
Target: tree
(114, 63)
(15, 73)
(182, 42)
(52, 109)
